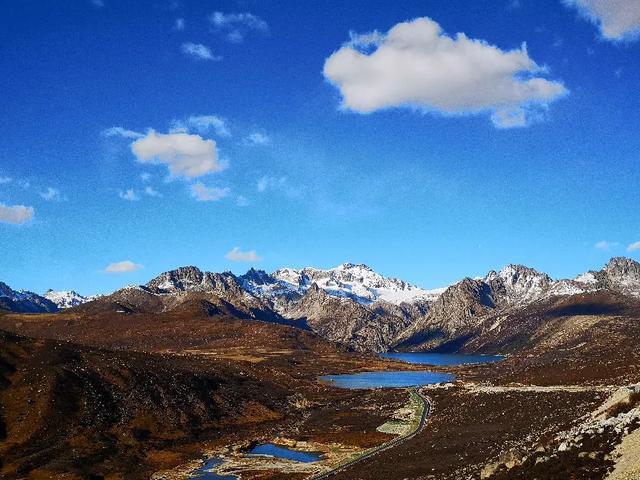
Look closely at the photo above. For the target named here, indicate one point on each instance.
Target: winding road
(426, 410)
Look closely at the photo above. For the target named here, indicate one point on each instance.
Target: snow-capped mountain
(356, 282)
(24, 301)
(518, 284)
(462, 307)
(351, 303)
(66, 299)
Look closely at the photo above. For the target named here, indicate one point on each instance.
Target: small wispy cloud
(152, 192)
(202, 124)
(242, 201)
(120, 132)
(235, 26)
(5, 180)
(258, 138)
(179, 25)
(97, 3)
(606, 245)
(129, 195)
(199, 52)
(124, 266)
(52, 195)
(145, 177)
(237, 255)
(203, 193)
(266, 182)
(633, 247)
(16, 214)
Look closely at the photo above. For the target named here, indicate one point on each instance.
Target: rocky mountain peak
(354, 267)
(257, 277)
(619, 266)
(66, 299)
(192, 279)
(517, 283)
(5, 290)
(622, 274)
(24, 301)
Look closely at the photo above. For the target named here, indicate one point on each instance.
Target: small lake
(282, 452)
(441, 358)
(203, 474)
(392, 379)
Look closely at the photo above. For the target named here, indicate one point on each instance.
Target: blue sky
(279, 134)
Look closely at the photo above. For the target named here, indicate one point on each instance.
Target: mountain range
(353, 305)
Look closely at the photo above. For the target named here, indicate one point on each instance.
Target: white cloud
(152, 192)
(185, 155)
(120, 132)
(242, 201)
(178, 25)
(199, 52)
(258, 138)
(5, 180)
(606, 245)
(203, 193)
(617, 19)
(236, 25)
(237, 255)
(633, 247)
(145, 177)
(97, 3)
(418, 66)
(129, 195)
(15, 214)
(265, 183)
(202, 124)
(123, 267)
(52, 194)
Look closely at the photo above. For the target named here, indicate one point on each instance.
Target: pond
(282, 452)
(441, 358)
(203, 472)
(389, 379)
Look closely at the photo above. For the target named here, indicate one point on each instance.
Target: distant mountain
(24, 301)
(356, 282)
(352, 304)
(460, 312)
(66, 299)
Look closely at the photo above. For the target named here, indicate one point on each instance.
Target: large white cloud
(15, 214)
(617, 19)
(184, 154)
(416, 65)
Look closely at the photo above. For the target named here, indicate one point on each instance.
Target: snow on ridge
(355, 281)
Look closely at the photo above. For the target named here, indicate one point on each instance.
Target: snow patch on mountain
(356, 282)
(67, 299)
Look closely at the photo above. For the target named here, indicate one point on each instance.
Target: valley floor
(135, 396)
